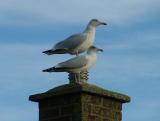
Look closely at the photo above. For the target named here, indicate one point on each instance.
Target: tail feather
(54, 69)
(56, 51)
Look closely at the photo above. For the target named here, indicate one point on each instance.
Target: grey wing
(74, 63)
(71, 42)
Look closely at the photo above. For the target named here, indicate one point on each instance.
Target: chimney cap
(75, 88)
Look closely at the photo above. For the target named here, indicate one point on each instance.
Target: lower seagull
(77, 64)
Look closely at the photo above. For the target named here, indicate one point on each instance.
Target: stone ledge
(79, 88)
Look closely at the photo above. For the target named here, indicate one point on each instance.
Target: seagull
(78, 63)
(77, 43)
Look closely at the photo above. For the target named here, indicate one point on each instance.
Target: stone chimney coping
(75, 88)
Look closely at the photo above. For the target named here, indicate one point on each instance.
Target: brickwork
(96, 108)
(80, 103)
(63, 108)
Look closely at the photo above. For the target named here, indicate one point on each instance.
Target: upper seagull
(77, 43)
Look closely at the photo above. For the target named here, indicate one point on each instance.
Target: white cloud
(116, 12)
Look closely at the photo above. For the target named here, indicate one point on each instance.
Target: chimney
(80, 102)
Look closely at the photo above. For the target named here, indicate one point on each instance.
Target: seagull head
(96, 22)
(94, 49)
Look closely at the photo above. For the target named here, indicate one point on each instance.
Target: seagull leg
(75, 76)
(77, 54)
(79, 80)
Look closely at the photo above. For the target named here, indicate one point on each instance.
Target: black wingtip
(44, 52)
(49, 70)
(48, 52)
(46, 70)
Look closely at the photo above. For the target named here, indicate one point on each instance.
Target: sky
(130, 63)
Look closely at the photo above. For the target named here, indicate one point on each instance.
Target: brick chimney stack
(80, 102)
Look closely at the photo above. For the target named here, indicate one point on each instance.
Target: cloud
(73, 11)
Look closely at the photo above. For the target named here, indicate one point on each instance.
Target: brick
(106, 119)
(86, 98)
(96, 100)
(96, 110)
(112, 104)
(65, 100)
(107, 103)
(117, 106)
(93, 118)
(60, 101)
(65, 110)
(64, 118)
(118, 116)
(86, 107)
(49, 113)
(106, 113)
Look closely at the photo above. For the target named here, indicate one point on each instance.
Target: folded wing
(71, 42)
(75, 63)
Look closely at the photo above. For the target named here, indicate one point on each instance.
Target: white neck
(92, 56)
(90, 29)
(92, 53)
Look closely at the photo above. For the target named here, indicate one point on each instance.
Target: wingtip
(49, 70)
(44, 52)
(44, 70)
(47, 52)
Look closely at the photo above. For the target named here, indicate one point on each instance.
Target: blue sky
(130, 63)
